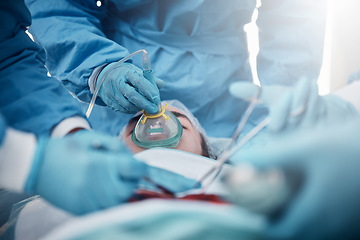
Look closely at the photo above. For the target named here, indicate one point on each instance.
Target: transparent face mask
(160, 130)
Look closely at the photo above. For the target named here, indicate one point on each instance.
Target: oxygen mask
(159, 130)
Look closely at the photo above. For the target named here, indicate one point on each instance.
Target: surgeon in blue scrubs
(82, 172)
(197, 47)
(35, 107)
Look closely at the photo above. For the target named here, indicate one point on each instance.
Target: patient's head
(191, 140)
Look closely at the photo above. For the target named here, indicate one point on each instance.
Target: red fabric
(144, 194)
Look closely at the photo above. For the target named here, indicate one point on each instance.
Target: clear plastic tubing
(146, 65)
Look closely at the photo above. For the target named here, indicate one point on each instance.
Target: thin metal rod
(226, 155)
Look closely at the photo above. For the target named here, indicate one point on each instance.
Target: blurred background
(341, 48)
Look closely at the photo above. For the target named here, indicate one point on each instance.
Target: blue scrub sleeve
(291, 39)
(29, 100)
(71, 33)
(2, 129)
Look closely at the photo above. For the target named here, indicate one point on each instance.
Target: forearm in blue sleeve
(2, 129)
(29, 100)
(291, 39)
(70, 32)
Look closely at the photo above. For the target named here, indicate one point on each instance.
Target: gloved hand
(84, 172)
(296, 107)
(321, 168)
(125, 89)
(171, 181)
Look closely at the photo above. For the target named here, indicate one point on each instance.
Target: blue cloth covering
(197, 47)
(29, 100)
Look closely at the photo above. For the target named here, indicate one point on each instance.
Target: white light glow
(252, 34)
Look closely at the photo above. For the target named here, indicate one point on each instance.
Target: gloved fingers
(115, 189)
(92, 141)
(159, 83)
(137, 99)
(148, 74)
(86, 204)
(125, 190)
(244, 90)
(125, 89)
(99, 142)
(286, 104)
(112, 188)
(116, 102)
(262, 159)
(105, 188)
(306, 104)
(282, 148)
(269, 95)
(130, 169)
(120, 103)
(315, 106)
(274, 94)
(147, 184)
(279, 113)
(170, 180)
(300, 98)
(143, 86)
(111, 94)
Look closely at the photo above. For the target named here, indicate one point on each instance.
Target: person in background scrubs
(197, 47)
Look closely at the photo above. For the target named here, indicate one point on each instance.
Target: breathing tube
(162, 129)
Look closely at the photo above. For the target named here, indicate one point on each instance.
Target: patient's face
(190, 140)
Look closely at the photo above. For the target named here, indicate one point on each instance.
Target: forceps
(230, 149)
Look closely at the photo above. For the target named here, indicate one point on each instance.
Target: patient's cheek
(135, 148)
(132, 146)
(190, 143)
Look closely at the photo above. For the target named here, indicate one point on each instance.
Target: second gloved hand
(125, 89)
(84, 172)
(319, 198)
(170, 180)
(296, 107)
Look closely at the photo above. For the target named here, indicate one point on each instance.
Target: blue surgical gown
(197, 47)
(2, 129)
(29, 100)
